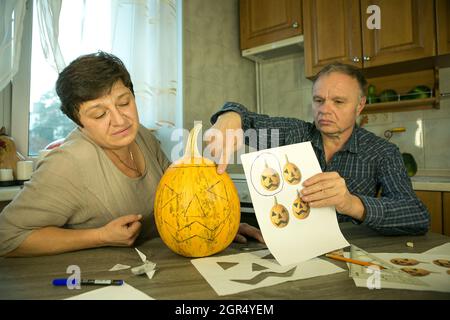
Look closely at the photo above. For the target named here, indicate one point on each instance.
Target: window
(129, 29)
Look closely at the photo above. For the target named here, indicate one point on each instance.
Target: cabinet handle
(355, 59)
(366, 58)
(295, 25)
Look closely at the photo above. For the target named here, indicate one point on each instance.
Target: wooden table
(176, 278)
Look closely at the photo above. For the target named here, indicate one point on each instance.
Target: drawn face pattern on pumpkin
(291, 173)
(300, 209)
(416, 272)
(442, 263)
(279, 215)
(404, 261)
(270, 179)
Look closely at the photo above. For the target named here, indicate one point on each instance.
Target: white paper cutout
(240, 273)
(148, 267)
(119, 267)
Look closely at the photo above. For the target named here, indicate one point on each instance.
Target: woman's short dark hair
(347, 69)
(87, 78)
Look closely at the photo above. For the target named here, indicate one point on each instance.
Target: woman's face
(111, 121)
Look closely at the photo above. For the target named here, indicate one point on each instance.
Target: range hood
(275, 49)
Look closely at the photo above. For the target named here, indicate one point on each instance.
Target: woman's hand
(122, 231)
(246, 230)
(225, 137)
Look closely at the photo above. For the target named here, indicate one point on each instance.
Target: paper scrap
(292, 230)
(410, 244)
(247, 271)
(119, 266)
(148, 267)
(123, 292)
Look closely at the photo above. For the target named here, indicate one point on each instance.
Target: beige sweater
(77, 186)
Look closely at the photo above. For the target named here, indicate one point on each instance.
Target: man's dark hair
(347, 69)
(89, 77)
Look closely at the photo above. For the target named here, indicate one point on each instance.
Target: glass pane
(47, 122)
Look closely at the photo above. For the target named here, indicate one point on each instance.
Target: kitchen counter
(431, 183)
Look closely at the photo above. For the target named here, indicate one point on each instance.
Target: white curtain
(12, 13)
(48, 12)
(142, 33)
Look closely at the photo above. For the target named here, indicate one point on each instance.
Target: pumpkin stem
(276, 202)
(287, 160)
(265, 162)
(191, 146)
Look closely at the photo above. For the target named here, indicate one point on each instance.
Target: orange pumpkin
(197, 211)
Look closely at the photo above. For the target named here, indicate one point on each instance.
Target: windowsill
(8, 193)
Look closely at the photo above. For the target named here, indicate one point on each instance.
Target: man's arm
(259, 131)
(398, 211)
(267, 127)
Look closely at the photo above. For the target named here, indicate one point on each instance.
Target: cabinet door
(407, 32)
(332, 32)
(433, 201)
(443, 26)
(446, 209)
(266, 21)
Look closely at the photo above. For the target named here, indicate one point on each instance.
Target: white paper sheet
(434, 277)
(300, 239)
(443, 249)
(247, 271)
(123, 292)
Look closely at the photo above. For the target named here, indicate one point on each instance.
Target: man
(356, 164)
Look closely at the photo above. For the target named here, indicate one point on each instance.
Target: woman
(98, 188)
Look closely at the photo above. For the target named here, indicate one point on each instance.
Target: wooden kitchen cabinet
(443, 26)
(332, 32)
(267, 21)
(337, 31)
(446, 212)
(433, 201)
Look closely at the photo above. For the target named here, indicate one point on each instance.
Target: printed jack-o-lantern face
(404, 261)
(270, 179)
(279, 215)
(300, 208)
(291, 173)
(416, 272)
(442, 263)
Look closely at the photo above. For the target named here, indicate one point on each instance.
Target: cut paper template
(123, 292)
(411, 271)
(292, 230)
(248, 271)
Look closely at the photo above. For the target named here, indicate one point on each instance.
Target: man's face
(336, 103)
(112, 120)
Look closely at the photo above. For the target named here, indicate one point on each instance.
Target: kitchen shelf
(403, 83)
(398, 106)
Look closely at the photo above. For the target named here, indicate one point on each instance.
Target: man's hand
(329, 189)
(121, 231)
(225, 137)
(246, 230)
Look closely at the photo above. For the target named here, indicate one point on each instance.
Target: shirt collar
(350, 146)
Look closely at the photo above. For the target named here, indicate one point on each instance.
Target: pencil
(361, 263)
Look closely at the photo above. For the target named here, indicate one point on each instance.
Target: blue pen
(63, 282)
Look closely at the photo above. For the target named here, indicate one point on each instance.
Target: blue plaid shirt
(367, 163)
